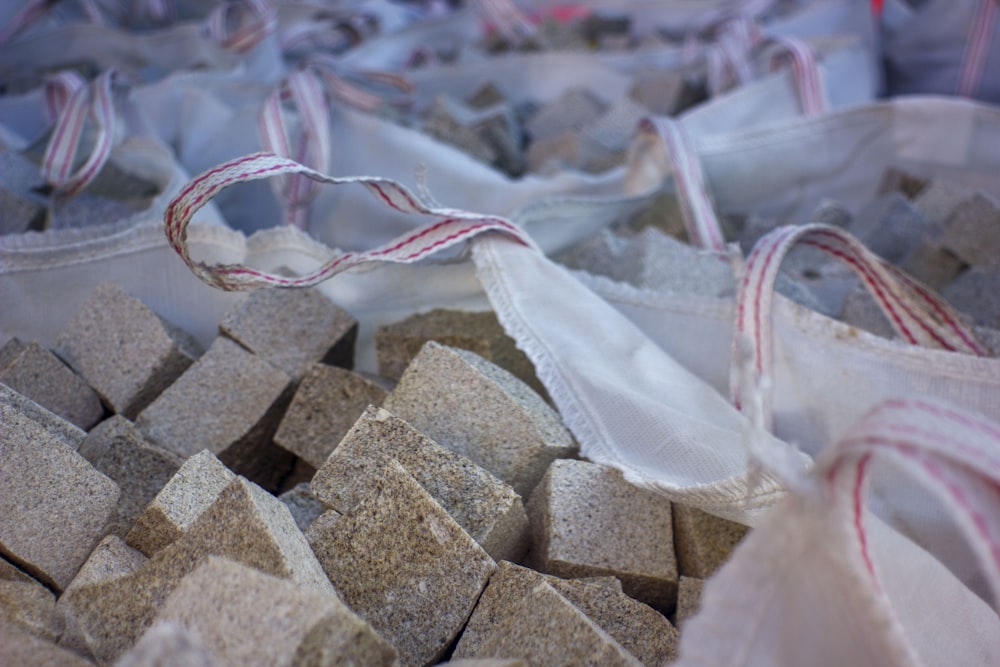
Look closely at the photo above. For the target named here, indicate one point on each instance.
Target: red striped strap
(304, 91)
(59, 88)
(239, 25)
(77, 102)
(367, 90)
(916, 313)
(702, 226)
(977, 48)
(805, 72)
(952, 452)
(504, 16)
(449, 227)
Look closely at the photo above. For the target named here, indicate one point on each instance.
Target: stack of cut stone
(260, 503)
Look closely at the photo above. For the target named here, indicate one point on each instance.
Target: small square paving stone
(54, 505)
(304, 506)
(292, 329)
(976, 293)
(398, 343)
(416, 583)
(640, 629)
(245, 524)
(545, 628)
(19, 647)
(326, 404)
(588, 520)
(32, 370)
(230, 402)
(972, 232)
(20, 414)
(688, 598)
(247, 618)
(30, 606)
(11, 572)
(486, 508)
(116, 448)
(124, 350)
(939, 199)
(890, 226)
(477, 409)
(110, 559)
(192, 489)
(169, 644)
(702, 541)
(570, 112)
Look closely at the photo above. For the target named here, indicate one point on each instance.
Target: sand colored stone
(475, 408)
(53, 505)
(703, 542)
(19, 647)
(230, 402)
(21, 414)
(117, 449)
(640, 629)
(971, 232)
(485, 662)
(587, 520)
(544, 628)
(304, 506)
(30, 606)
(124, 350)
(110, 559)
(246, 618)
(571, 111)
(415, 583)
(476, 331)
(32, 370)
(688, 598)
(10, 572)
(292, 329)
(169, 644)
(485, 507)
(192, 489)
(245, 524)
(326, 404)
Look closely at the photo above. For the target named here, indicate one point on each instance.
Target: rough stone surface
(900, 180)
(665, 92)
(702, 541)
(544, 628)
(571, 111)
(640, 629)
(10, 572)
(19, 647)
(292, 329)
(485, 662)
(304, 506)
(30, 606)
(54, 505)
(110, 559)
(245, 524)
(20, 414)
(124, 350)
(246, 618)
(169, 644)
(972, 232)
(891, 226)
(486, 508)
(35, 372)
(477, 409)
(21, 208)
(976, 293)
(688, 598)
(417, 583)
(326, 404)
(587, 520)
(933, 265)
(139, 468)
(398, 343)
(862, 311)
(192, 489)
(230, 402)
(940, 198)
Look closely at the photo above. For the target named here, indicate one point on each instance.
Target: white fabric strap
(449, 228)
(915, 312)
(254, 20)
(366, 90)
(96, 101)
(805, 72)
(59, 88)
(977, 48)
(36, 9)
(505, 16)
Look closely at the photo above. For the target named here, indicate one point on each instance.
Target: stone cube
(304, 506)
(891, 226)
(54, 505)
(475, 408)
(117, 449)
(21, 414)
(486, 508)
(246, 617)
(292, 329)
(10, 572)
(485, 662)
(702, 541)
(166, 644)
(35, 372)
(976, 293)
(124, 350)
(31, 607)
(570, 112)
(192, 490)
(245, 524)
(638, 628)
(895, 179)
(862, 311)
(444, 122)
(688, 598)
(230, 402)
(972, 232)
(19, 647)
(550, 155)
(326, 404)
(415, 583)
(933, 264)
(111, 558)
(588, 520)
(22, 208)
(544, 628)
(939, 199)
(616, 127)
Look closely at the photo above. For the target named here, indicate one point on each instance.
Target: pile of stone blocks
(262, 506)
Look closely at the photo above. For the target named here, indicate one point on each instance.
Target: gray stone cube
(688, 598)
(31, 607)
(304, 506)
(972, 232)
(702, 541)
(166, 644)
(976, 293)
(19, 647)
